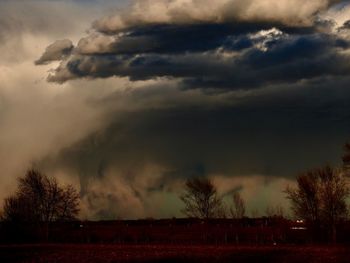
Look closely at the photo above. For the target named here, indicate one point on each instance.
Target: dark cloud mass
(239, 62)
(216, 54)
(269, 134)
(346, 25)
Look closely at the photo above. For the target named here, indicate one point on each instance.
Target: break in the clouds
(144, 94)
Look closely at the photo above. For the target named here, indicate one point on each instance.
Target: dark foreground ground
(173, 253)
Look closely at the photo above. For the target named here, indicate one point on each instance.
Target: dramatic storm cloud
(126, 100)
(212, 51)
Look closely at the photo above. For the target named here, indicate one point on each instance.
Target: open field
(173, 253)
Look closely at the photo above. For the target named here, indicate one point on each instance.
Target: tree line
(319, 198)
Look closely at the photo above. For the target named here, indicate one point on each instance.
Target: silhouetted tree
(320, 197)
(201, 199)
(305, 198)
(238, 208)
(40, 199)
(334, 192)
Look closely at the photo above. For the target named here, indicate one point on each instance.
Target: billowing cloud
(283, 60)
(296, 12)
(339, 13)
(212, 52)
(56, 51)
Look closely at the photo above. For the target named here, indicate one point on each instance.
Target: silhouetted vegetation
(320, 198)
(202, 200)
(39, 200)
(238, 208)
(43, 210)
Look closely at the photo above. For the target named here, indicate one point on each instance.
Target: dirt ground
(173, 253)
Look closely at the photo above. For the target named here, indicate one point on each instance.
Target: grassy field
(173, 253)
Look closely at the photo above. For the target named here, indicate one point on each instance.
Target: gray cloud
(56, 51)
(210, 53)
(345, 26)
(231, 139)
(265, 60)
(140, 13)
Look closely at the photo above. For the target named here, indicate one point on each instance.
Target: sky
(127, 99)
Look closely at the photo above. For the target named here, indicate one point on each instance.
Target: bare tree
(334, 192)
(18, 209)
(305, 198)
(40, 199)
(69, 205)
(320, 197)
(238, 208)
(201, 199)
